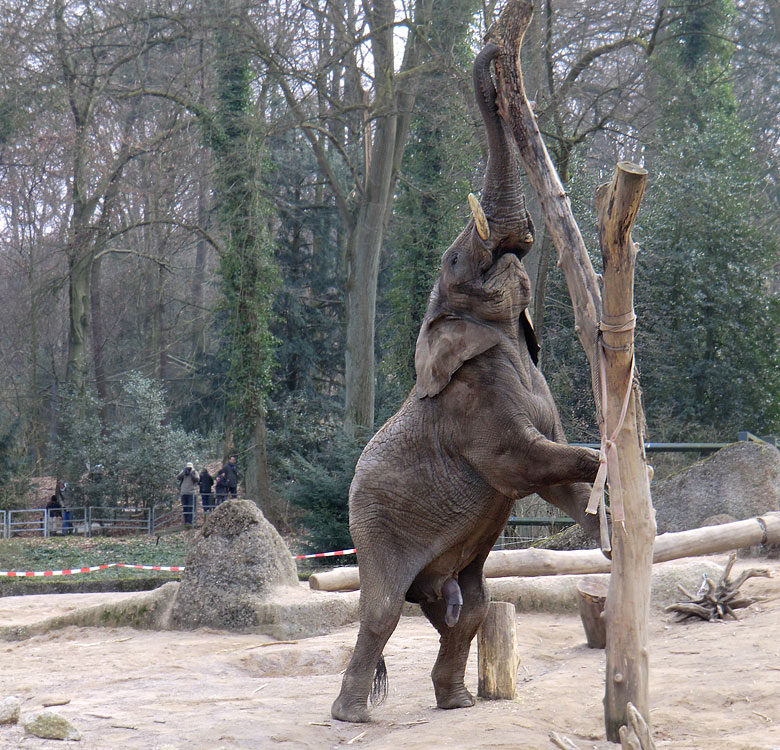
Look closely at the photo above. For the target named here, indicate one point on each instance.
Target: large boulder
(237, 562)
(739, 481)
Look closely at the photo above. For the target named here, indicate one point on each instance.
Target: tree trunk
(363, 250)
(98, 340)
(78, 311)
(257, 482)
(199, 305)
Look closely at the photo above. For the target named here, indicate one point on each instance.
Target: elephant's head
(482, 290)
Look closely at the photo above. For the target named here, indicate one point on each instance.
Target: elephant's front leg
(448, 673)
(525, 461)
(572, 499)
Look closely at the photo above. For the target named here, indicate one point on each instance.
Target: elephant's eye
(454, 260)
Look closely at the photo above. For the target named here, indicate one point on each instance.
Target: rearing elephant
(435, 486)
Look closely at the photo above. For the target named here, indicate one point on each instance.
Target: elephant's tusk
(483, 229)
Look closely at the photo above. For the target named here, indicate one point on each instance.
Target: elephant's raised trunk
(503, 202)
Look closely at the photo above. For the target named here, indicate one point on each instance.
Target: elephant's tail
(379, 685)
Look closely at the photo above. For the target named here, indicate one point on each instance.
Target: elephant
(434, 487)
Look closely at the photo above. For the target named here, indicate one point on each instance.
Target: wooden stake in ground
(633, 519)
(628, 602)
(497, 654)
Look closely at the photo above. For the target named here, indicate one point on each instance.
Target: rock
(740, 481)
(571, 538)
(10, 708)
(50, 726)
(237, 562)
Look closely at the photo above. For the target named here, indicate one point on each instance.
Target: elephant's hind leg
(449, 672)
(378, 619)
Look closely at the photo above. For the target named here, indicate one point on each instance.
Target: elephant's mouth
(514, 245)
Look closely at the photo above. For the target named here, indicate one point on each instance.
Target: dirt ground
(713, 685)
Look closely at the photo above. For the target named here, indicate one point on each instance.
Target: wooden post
(497, 657)
(628, 602)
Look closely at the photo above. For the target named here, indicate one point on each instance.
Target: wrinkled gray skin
(435, 486)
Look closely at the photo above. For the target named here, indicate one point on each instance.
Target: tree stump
(497, 656)
(591, 598)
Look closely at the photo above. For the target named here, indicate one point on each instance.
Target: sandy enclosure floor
(713, 685)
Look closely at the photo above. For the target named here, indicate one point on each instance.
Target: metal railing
(93, 520)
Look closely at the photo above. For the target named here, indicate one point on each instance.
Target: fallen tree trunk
(708, 540)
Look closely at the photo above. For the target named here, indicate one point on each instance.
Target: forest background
(220, 223)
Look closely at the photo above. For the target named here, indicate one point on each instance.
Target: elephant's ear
(444, 344)
(530, 336)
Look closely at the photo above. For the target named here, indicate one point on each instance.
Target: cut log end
(628, 166)
(591, 598)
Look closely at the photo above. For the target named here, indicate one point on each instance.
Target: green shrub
(319, 486)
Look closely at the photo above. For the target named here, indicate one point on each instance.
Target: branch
(514, 108)
(194, 228)
(162, 262)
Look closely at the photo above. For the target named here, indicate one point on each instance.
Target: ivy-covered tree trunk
(80, 279)
(247, 267)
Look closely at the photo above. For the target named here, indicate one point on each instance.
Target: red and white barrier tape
(325, 554)
(73, 571)
(171, 568)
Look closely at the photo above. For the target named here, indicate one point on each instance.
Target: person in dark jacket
(206, 482)
(222, 487)
(188, 482)
(65, 497)
(53, 511)
(231, 469)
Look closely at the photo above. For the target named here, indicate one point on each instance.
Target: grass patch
(61, 553)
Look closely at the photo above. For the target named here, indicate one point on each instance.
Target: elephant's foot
(454, 697)
(344, 710)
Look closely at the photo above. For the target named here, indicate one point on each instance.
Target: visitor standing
(53, 512)
(188, 483)
(231, 470)
(65, 496)
(222, 487)
(206, 496)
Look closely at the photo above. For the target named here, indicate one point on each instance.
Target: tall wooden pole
(633, 524)
(633, 531)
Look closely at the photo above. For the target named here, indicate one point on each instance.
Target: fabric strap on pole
(609, 468)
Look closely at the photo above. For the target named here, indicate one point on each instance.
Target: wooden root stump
(717, 601)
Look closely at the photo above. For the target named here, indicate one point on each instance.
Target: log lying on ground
(708, 540)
